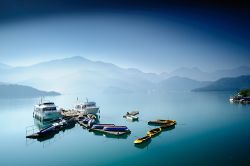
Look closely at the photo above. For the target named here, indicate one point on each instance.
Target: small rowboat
(115, 128)
(132, 117)
(168, 125)
(86, 120)
(154, 132)
(101, 126)
(161, 122)
(91, 116)
(143, 139)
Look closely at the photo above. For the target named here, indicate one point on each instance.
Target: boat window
(78, 106)
(37, 109)
(49, 109)
(48, 103)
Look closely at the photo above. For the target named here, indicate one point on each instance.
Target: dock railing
(31, 130)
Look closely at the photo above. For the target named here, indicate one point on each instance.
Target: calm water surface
(210, 131)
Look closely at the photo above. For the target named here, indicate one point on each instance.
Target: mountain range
(21, 91)
(4, 66)
(177, 83)
(227, 84)
(197, 74)
(81, 75)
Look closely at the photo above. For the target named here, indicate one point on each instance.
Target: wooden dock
(71, 113)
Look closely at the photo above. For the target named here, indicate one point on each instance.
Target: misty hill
(81, 75)
(192, 73)
(197, 74)
(21, 91)
(78, 74)
(177, 83)
(4, 66)
(228, 84)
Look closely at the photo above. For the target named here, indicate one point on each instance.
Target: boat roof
(87, 103)
(46, 104)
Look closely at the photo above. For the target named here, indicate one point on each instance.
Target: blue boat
(101, 126)
(91, 122)
(86, 120)
(115, 128)
(47, 130)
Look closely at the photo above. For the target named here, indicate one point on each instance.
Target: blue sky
(154, 41)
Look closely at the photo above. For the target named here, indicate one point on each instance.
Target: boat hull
(154, 132)
(161, 122)
(44, 116)
(101, 126)
(142, 140)
(115, 128)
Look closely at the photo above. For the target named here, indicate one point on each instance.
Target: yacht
(87, 108)
(46, 111)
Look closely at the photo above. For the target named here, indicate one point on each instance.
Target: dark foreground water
(210, 131)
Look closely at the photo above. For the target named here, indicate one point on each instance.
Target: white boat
(46, 111)
(132, 117)
(87, 108)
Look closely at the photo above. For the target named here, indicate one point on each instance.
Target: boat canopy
(89, 104)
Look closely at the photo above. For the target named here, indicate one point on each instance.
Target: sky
(154, 37)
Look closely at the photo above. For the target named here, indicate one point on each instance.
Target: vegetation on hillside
(245, 92)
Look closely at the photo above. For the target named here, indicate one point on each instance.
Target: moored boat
(101, 126)
(46, 131)
(142, 140)
(87, 108)
(133, 113)
(115, 128)
(168, 125)
(154, 132)
(132, 117)
(53, 128)
(161, 122)
(46, 111)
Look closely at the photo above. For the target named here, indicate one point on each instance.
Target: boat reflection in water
(124, 136)
(44, 130)
(143, 145)
(42, 124)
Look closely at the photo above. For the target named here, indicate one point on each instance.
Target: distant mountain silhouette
(77, 74)
(21, 91)
(197, 74)
(192, 73)
(228, 84)
(177, 83)
(4, 66)
(81, 75)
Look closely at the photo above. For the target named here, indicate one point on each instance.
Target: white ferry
(46, 111)
(87, 108)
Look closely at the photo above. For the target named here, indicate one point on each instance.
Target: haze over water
(209, 131)
(126, 55)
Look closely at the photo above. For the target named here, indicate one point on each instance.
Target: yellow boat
(154, 132)
(168, 125)
(143, 139)
(161, 122)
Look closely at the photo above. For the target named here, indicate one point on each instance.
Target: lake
(209, 131)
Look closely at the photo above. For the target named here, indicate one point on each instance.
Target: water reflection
(37, 131)
(169, 128)
(98, 133)
(42, 124)
(143, 145)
